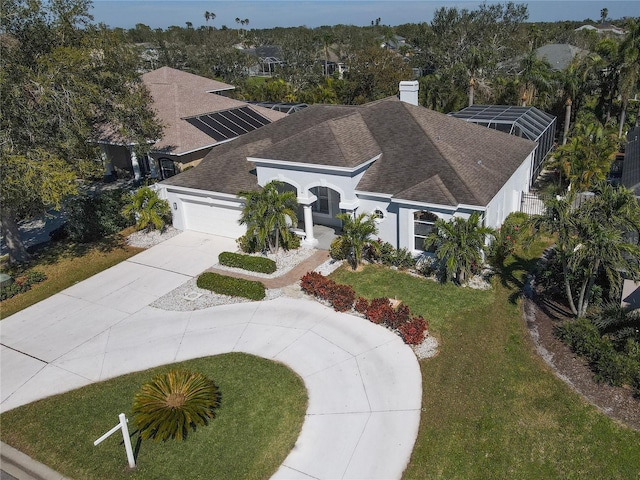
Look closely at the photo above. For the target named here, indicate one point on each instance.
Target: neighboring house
(407, 164)
(602, 29)
(560, 55)
(268, 60)
(526, 122)
(196, 117)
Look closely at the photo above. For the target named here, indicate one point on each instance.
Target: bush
(144, 208)
(385, 253)
(362, 305)
(235, 287)
(508, 237)
(247, 244)
(340, 248)
(341, 297)
(290, 243)
(91, 218)
(21, 284)
(414, 331)
(247, 262)
(174, 402)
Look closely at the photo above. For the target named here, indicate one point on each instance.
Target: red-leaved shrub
(362, 305)
(414, 331)
(341, 297)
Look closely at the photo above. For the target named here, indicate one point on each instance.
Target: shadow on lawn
(513, 274)
(52, 252)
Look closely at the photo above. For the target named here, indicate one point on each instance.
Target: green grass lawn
(491, 407)
(260, 417)
(66, 264)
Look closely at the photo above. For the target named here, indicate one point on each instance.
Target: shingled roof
(425, 157)
(176, 95)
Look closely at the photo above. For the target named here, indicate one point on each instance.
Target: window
(423, 225)
(167, 168)
(322, 204)
(378, 215)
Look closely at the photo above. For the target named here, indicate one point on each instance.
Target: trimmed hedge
(234, 287)
(247, 262)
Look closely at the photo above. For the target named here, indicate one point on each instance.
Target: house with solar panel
(196, 117)
(404, 163)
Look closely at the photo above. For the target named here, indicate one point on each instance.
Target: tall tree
(63, 79)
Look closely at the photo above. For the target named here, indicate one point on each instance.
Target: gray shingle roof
(425, 156)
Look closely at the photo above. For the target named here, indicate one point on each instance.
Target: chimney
(409, 92)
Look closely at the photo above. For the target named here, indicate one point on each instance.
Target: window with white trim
(423, 225)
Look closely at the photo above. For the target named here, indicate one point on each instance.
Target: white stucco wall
(507, 200)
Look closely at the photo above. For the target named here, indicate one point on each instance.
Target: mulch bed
(541, 316)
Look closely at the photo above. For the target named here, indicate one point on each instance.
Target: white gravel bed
(329, 266)
(188, 297)
(285, 261)
(143, 239)
(427, 349)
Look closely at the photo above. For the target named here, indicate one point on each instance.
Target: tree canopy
(63, 79)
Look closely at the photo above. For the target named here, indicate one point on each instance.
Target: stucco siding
(507, 200)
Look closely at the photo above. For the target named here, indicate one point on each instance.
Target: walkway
(364, 384)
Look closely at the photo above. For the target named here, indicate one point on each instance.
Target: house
(526, 122)
(196, 117)
(602, 29)
(268, 60)
(560, 55)
(406, 164)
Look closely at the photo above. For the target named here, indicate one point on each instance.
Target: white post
(125, 436)
(308, 226)
(106, 161)
(127, 440)
(134, 163)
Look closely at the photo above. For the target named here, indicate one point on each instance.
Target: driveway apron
(364, 384)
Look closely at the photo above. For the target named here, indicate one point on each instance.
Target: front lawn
(491, 406)
(66, 264)
(261, 413)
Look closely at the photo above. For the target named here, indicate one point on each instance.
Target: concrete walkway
(364, 384)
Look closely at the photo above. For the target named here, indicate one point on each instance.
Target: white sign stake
(125, 436)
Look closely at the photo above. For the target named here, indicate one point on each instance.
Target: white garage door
(215, 219)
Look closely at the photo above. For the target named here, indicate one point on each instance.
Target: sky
(314, 13)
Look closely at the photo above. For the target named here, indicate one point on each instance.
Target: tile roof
(425, 156)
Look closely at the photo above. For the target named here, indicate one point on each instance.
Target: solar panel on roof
(228, 124)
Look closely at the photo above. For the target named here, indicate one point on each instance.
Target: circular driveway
(364, 384)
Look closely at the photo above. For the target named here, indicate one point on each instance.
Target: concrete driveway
(364, 384)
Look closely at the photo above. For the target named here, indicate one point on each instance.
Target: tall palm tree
(460, 245)
(358, 231)
(269, 214)
(535, 78)
(629, 69)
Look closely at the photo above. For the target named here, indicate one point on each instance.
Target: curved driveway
(364, 384)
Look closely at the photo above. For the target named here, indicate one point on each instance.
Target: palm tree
(535, 77)
(460, 245)
(557, 220)
(357, 230)
(149, 211)
(629, 70)
(586, 158)
(209, 16)
(269, 214)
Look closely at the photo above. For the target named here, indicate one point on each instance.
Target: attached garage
(206, 212)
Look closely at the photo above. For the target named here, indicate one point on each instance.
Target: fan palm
(174, 402)
(357, 230)
(460, 245)
(148, 209)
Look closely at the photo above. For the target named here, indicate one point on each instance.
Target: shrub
(341, 297)
(147, 210)
(235, 287)
(290, 243)
(414, 330)
(340, 248)
(91, 218)
(21, 284)
(174, 402)
(362, 305)
(379, 310)
(427, 265)
(247, 262)
(247, 244)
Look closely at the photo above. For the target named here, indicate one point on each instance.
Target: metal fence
(532, 204)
